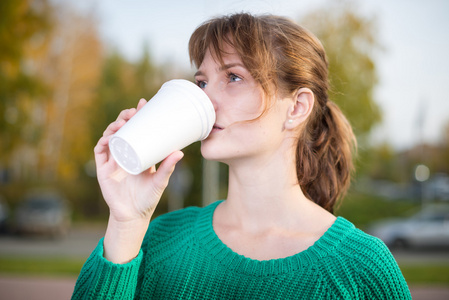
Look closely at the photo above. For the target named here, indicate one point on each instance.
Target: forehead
(227, 55)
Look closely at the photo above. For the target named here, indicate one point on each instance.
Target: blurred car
(4, 214)
(428, 228)
(46, 213)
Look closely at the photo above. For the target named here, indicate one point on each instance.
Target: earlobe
(300, 109)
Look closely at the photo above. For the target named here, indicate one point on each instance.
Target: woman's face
(237, 98)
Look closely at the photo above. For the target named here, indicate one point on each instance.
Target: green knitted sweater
(182, 258)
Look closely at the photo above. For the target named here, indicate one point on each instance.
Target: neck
(264, 191)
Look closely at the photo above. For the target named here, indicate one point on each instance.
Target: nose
(213, 95)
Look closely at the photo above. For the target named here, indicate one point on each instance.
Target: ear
(301, 108)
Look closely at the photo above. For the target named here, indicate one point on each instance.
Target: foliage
(350, 41)
(71, 68)
(381, 162)
(120, 86)
(48, 71)
(59, 90)
(24, 29)
(362, 209)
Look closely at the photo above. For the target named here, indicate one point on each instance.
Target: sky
(413, 68)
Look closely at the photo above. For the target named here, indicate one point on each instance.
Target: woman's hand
(130, 197)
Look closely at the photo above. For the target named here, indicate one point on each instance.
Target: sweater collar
(213, 246)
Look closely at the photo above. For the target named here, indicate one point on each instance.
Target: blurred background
(67, 68)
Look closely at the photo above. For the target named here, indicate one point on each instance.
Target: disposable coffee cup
(177, 116)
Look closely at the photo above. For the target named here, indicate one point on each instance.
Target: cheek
(245, 105)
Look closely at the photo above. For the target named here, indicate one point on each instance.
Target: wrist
(123, 239)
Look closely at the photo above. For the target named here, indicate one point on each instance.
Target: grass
(427, 274)
(41, 266)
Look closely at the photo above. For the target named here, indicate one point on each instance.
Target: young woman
(289, 151)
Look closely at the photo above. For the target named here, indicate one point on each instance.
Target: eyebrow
(222, 68)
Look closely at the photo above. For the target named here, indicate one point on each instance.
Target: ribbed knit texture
(183, 258)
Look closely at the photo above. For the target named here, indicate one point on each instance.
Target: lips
(218, 127)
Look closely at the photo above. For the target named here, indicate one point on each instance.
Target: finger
(102, 145)
(152, 169)
(114, 127)
(166, 168)
(141, 103)
(126, 114)
(122, 118)
(101, 151)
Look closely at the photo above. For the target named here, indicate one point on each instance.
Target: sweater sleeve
(379, 275)
(102, 279)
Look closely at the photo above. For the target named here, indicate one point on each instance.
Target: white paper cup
(177, 116)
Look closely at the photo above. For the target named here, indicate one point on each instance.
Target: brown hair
(284, 57)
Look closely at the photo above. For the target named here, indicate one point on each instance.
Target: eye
(233, 78)
(201, 84)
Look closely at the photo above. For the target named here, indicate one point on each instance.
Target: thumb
(167, 167)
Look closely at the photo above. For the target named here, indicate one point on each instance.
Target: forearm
(123, 240)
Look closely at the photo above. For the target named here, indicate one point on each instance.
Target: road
(83, 239)
(79, 243)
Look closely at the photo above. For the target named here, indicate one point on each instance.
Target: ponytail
(324, 157)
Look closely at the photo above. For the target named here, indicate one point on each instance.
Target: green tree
(148, 77)
(71, 68)
(111, 93)
(383, 163)
(24, 29)
(121, 85)
(350, 41)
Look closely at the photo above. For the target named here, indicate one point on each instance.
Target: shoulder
(373, 265)
(366, 248)
(359, 246)
(352, 246)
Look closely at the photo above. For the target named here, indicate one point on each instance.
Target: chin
(209, 152)
(213, 151)
(226, 151)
